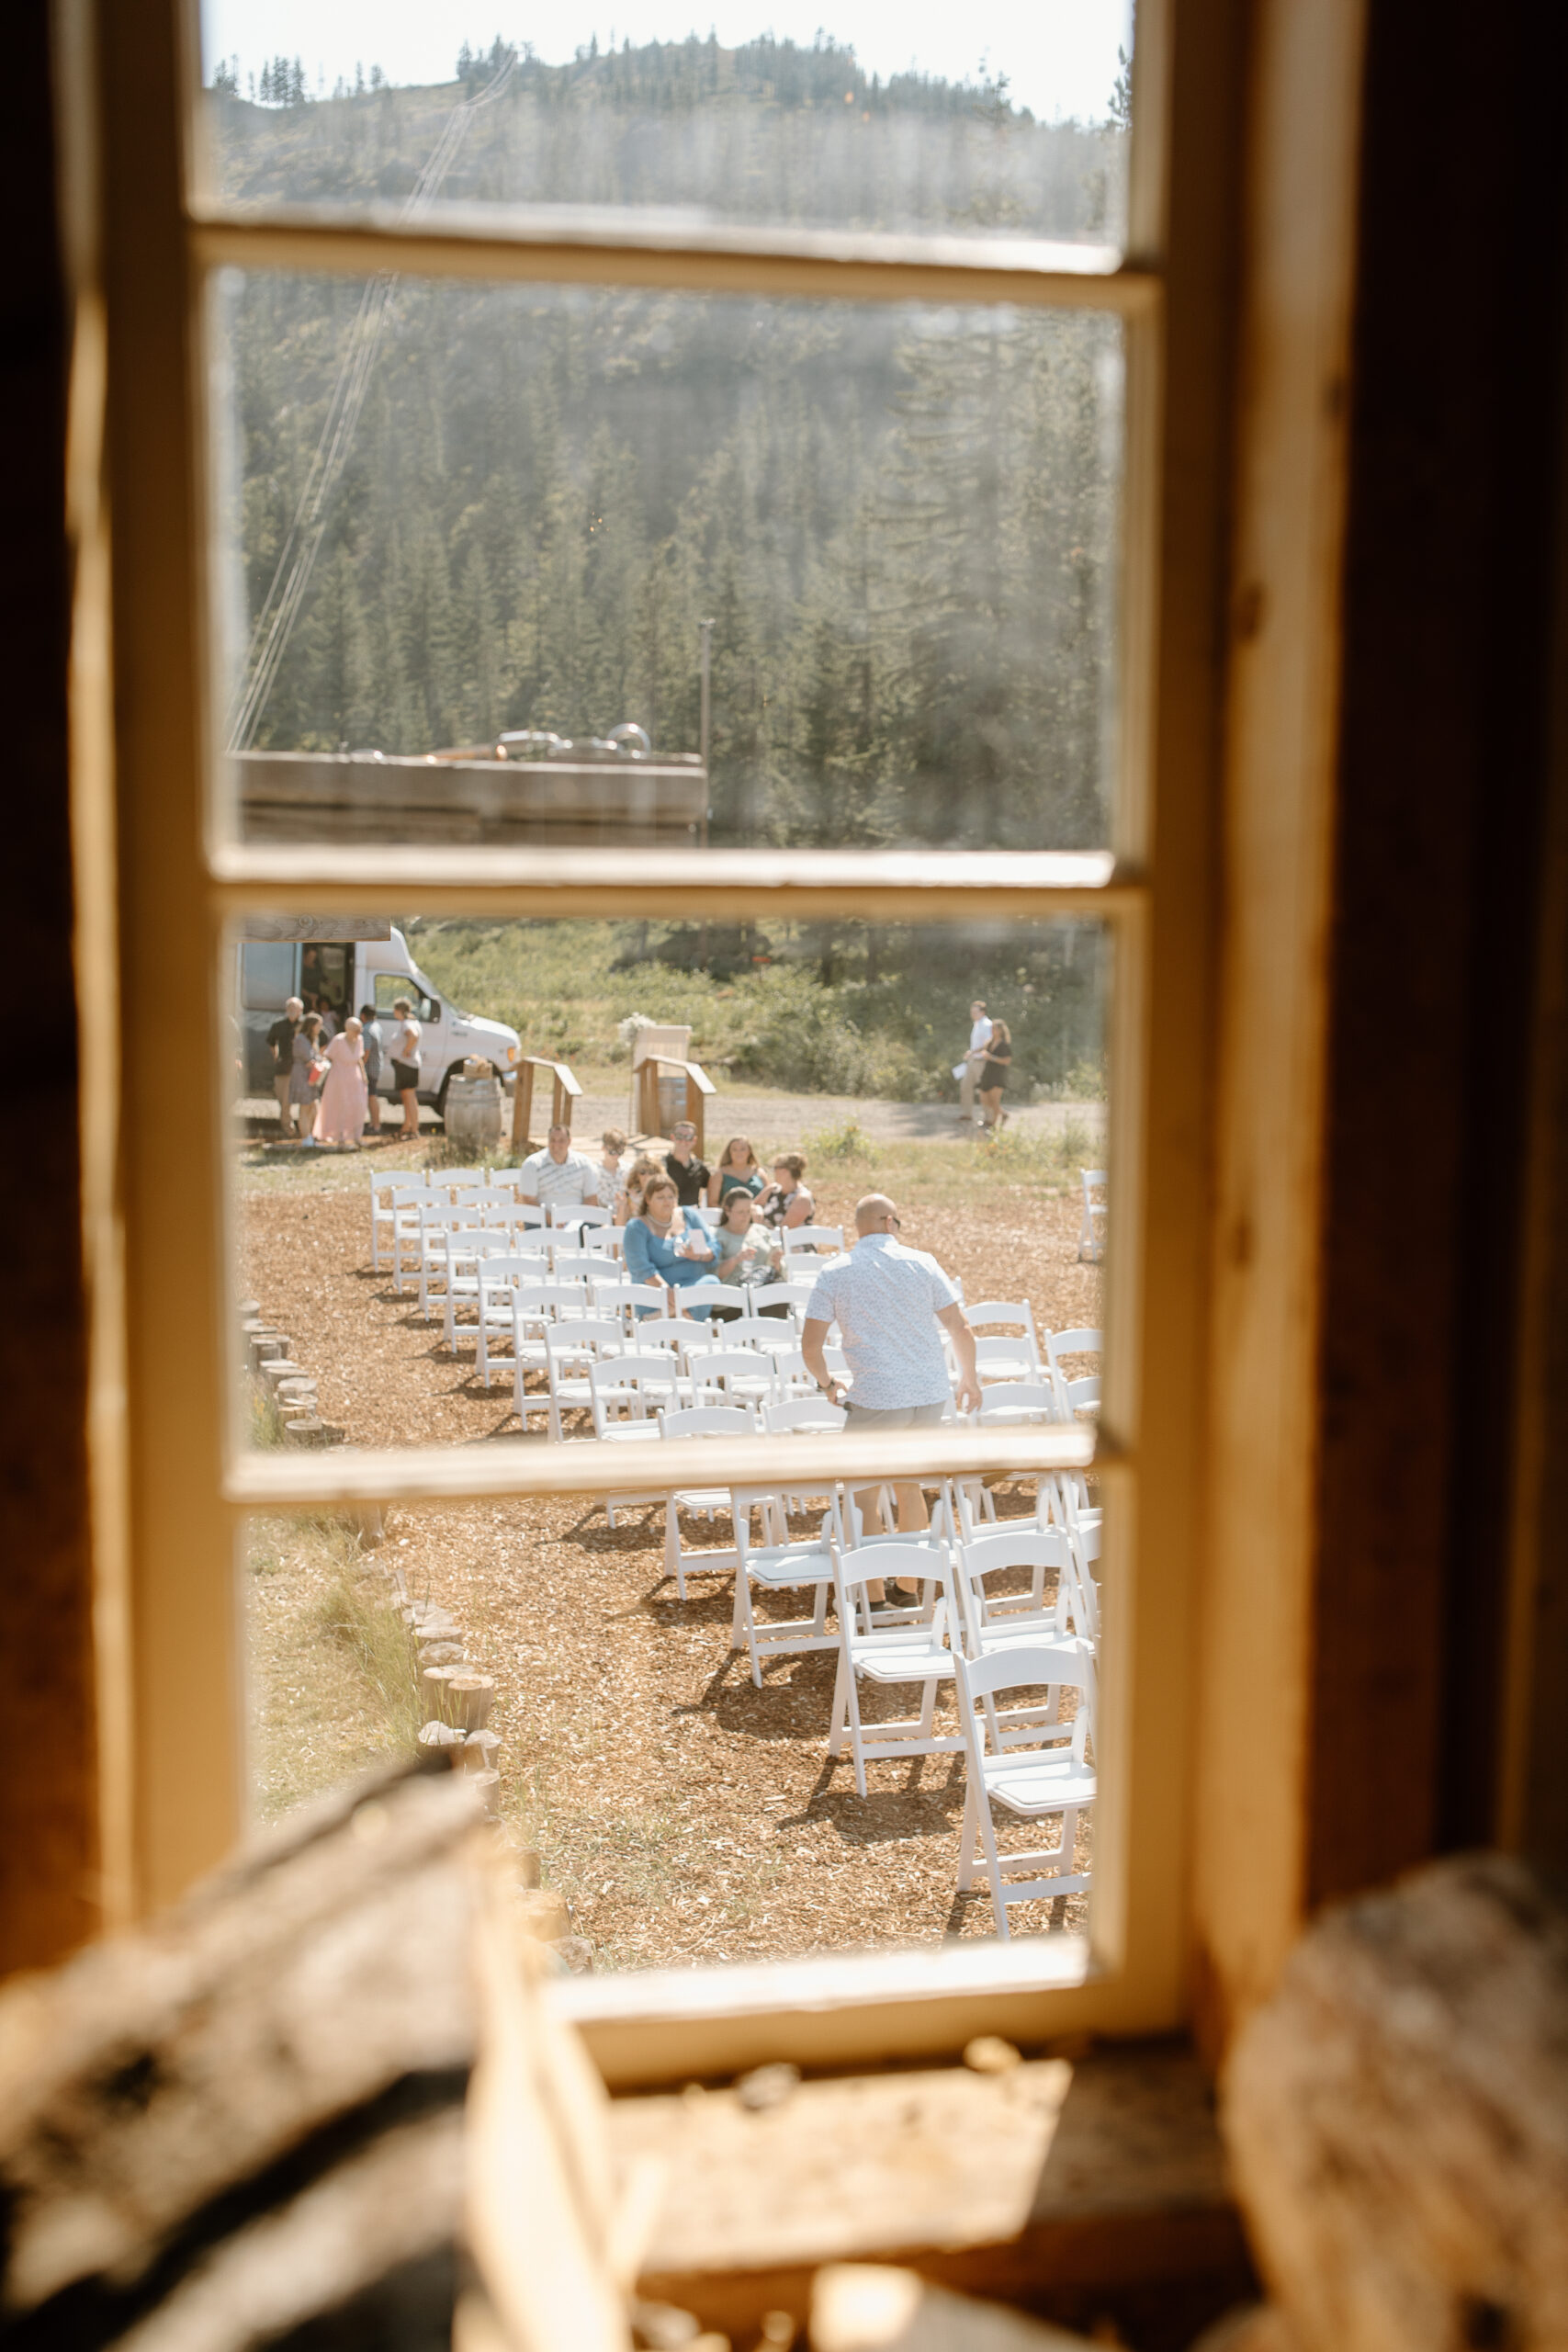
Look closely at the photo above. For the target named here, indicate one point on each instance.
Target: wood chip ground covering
(687, 1817)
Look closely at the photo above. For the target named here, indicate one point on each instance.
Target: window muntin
(890, 535)
(885, 122)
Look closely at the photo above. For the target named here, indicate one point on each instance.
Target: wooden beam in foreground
(1079, 2188)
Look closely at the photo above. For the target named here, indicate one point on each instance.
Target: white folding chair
(779, 1565)
(384, 1215)
(1008, 1356)
(1019, 1402)
(499, 1275)
(810, 1241)
(566, 1216)
(568, 1264)
(689, 1339)
(930, 1543)
(536, 1308)
(727, 1375)
(570, 1352)
(1084, 1528)
(1001, 1619)
(1083, 1393)
(1096, 1211)
(1001, 1359)
(791, 1414)
(613, 1295)
(793, 1295)
(794, 1380)
(407, 1231)
(621, 1414)
(606, 1241)
(667, 1333)
(903, 1647)
(453, 1257)
(708, 1295)
(811, 1417)
(1035, 1783)
(707, 1421)
(624, 1387)
(767, 1333)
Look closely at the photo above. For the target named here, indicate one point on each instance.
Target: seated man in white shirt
(888, 1301)
(559, 1179)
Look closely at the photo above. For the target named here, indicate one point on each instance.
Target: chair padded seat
(1038, 1784)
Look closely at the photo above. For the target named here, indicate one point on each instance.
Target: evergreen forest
(902, 522)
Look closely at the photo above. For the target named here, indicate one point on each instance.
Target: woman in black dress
(994, 1075)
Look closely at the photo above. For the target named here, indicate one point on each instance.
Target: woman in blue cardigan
(660, 1247)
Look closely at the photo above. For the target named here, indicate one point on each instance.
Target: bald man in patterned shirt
(888, 1301)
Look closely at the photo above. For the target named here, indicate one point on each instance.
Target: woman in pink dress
(340, 1118)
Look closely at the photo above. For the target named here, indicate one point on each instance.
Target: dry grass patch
(334, 1689)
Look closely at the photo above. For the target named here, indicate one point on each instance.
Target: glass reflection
(504, 564)
(906, 120)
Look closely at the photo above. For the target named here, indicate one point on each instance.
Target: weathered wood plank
(1031, 2186)
(1398, 2119)
(176, 2099)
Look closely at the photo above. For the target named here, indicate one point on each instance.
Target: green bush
(839, 1146)
(839, 1009)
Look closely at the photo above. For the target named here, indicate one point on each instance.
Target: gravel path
(781, 1122)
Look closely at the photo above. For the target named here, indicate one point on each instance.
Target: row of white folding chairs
(517, 1300)
(1029, 1756)
(590, 1364)
(464, 1196)
(450, 1247)
(475, 1270)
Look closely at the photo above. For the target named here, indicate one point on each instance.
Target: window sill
(1080, 2190)
(838, 2010)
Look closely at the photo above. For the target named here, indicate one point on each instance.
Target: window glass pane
(405, 1292)
(788, 1070)
(476, 543)
(887, 119)
(672, 1813)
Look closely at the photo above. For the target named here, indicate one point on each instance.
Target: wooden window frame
(1214, 896)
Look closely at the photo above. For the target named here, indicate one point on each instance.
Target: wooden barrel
(474, 1111)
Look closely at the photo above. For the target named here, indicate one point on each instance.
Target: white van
(301, 959)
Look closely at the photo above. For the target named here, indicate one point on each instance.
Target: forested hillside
(902, 522)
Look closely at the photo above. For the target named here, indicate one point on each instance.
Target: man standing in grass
(888, 1301)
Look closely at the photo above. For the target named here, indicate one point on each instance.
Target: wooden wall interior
(48, 1893)
(1452, 592)
(1442, 1395)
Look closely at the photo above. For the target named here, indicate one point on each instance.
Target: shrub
(839, 1145)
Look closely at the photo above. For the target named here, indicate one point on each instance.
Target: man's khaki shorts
(892, 1417)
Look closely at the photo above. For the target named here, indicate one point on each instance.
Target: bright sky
(1059, 54)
